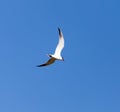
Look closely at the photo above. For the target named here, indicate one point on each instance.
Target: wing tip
(37, 66)
(60, 33)
(59, 29)
(40, 65)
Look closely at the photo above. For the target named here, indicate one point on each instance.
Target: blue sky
(89, 78)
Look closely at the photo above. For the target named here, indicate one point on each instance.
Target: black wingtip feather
(58, 29)
(59, 32)
(39, 66)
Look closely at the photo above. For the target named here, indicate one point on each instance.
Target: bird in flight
(57, 54)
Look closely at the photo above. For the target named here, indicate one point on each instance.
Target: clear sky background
(89, 78)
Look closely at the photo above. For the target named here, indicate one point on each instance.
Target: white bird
(57, 54)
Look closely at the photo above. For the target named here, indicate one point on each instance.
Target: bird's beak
(48, 55)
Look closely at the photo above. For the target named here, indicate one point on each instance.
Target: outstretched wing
(60, 45)
(50, 61)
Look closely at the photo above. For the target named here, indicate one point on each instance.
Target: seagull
(57, 54)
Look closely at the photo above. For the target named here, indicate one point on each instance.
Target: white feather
(60, 45)
(57, 54)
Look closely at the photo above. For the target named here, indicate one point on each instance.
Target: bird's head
(49, 55)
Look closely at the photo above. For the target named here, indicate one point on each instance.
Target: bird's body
(57, 54)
